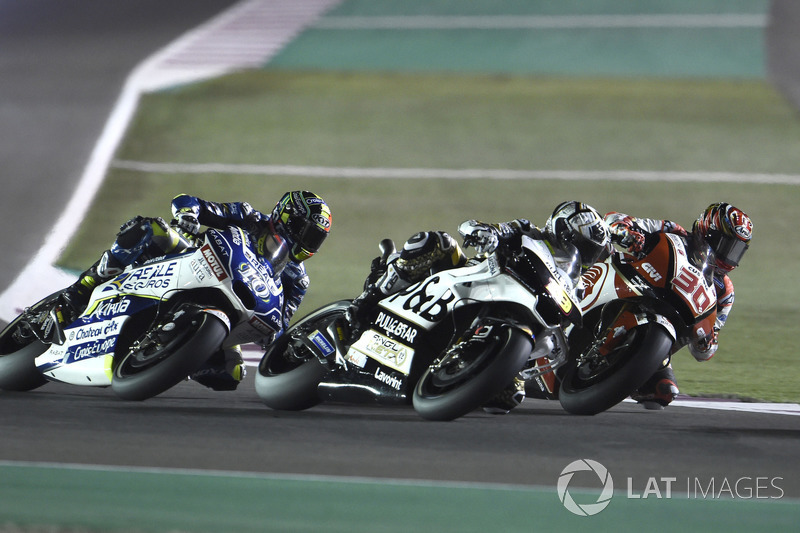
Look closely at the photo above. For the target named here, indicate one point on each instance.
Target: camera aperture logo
(585, 509)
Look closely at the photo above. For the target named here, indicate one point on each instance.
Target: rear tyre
(149, 368)
(18, 370)
(470, 373)
(19, 348)
(288, 375)
(588, 391)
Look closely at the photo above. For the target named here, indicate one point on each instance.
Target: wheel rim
(288, 353)
(459, 364)
(152, 348)
(597, 367)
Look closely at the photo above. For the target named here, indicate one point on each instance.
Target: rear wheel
(594, 384)
(471, 372)
(163, 357)
(289, 374)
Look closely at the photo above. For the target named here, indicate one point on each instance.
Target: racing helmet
(304, 220)
(582, 226)
(727, 230)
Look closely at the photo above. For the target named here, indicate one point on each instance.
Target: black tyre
(287, 378)
(18, 370)
(470, 374)
(587, 391)
(152, 368)
(19, 347)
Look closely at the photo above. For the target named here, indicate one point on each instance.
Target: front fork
(628, 316)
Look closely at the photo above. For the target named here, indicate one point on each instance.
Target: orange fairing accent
(622, 288)
(653, 267)
(548, 378)
(705, 326)
(624, 322)
(593, 281)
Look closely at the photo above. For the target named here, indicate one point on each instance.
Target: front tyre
(592, 388)
(151, 365)
(470, 373)
(289, 374)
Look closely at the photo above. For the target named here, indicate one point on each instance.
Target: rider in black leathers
(574, 228)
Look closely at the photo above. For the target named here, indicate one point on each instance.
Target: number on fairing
(690, 286)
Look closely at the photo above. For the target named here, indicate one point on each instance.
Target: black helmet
(304, 219)
(583, 227)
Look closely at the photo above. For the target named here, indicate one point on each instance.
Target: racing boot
(425, 252)
(658, 391)
(509, 398)
(77, 295)
(223, 371)
(389, 280)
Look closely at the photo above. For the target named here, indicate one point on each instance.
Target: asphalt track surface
(64, 63)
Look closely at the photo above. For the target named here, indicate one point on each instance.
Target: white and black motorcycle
(447, 344)
(150, 327)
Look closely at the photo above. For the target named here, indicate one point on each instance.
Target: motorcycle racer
(575, 234)
(728, 231)
(283, 239)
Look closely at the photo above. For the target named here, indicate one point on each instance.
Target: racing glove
(186, 221)
(627, 237)
(482, 237)
(705, 348)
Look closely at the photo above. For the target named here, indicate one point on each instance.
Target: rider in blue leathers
(290, 234)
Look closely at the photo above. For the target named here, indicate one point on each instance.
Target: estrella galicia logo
(586, 509)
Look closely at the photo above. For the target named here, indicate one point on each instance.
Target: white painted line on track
(542, 22)
(751, 407)
(467, 173)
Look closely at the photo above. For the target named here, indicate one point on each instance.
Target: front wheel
(158, 360)
(471, 372)
(289, 374)
(597, 385)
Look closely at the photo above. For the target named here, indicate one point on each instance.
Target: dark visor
(726, 248)
(307, 234)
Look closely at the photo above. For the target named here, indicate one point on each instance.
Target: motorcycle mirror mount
(386, 248)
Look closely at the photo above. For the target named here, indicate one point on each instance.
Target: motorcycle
(150, 327)
(638, 311)
(446, 344)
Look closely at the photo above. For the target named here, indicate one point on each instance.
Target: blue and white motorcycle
(153, 325)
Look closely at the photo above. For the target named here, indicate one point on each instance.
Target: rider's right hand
(627, 237)
(187, 222)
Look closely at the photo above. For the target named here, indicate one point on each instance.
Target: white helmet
(582, 226)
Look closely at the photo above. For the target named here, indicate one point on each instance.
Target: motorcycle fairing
(381, 361)
(226, 257)
(232, 248)
(666, 273)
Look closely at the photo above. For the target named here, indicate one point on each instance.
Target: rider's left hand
(187, 222)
